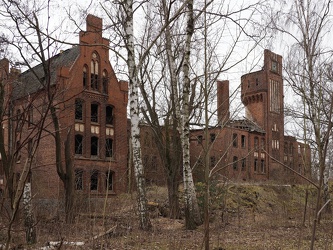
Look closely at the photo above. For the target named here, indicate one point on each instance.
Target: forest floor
(242, 217)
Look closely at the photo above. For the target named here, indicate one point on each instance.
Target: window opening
(108, 147)
(78, 179)
(78, 109)
(94, 146)
(109, 115)
(78, 144)
(94, 180)
(94, 112)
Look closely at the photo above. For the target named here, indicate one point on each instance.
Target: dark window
(94, 112)
(235, 163)
(243, 141)
(78, 179)
(262, 166)
(234, 140)
(212, 137)
(108, 147)
(94, 146)
(78, 144)
(109, 115)
(105, 82)
(109, 180)
(243, 164)
(248, 84)
(257, 81)
(291, 149)
(94, 180)
(255, 165)
(199, 138)
(85, 77)
(78, 109)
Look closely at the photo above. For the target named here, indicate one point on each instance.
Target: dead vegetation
(242, 217)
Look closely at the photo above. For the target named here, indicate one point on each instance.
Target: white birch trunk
(189, 189)
(135, 119)
(29, 221)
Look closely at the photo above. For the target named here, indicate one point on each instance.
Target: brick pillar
(223, 112)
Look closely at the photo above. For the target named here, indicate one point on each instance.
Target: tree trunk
(144, 220)
(173, 197)
(29, 219)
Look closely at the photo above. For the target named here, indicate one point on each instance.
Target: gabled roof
(33, 79)
(246, 124)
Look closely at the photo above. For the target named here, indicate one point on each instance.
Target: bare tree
(307, 24)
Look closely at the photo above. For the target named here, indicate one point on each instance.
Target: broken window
(78, 109)
(109, 180)
(94, 112)
(234, 140)
(78, 179)
(108, 147)
(243, 141)
(243, 164)
(94, 180)
(78, 144)
(255, 165)
(262, 166)
(94, 146)
(109, 115)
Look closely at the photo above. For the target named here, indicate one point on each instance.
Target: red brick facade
(255, 147)
(92, 109)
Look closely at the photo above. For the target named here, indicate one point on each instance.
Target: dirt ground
(242, 217)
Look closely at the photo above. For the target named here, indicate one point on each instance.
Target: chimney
(223, 113)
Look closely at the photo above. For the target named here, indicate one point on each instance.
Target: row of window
(97, 83)
(98, 181)
(94, 112)
(94, 146)
(236, 161)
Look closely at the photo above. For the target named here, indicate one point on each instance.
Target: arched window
(94, 146)
(105, 81)
(235, 163)
(94, 72)
(108, 147)
(78, 144)
(109, 115)
(78, 109)
(94, 112)
(85, 76)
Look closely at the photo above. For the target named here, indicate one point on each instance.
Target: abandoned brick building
(253, 148)
(92, 108)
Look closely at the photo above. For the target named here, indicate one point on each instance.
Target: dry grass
(242, 217)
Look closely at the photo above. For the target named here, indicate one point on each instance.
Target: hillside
(242, 217)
